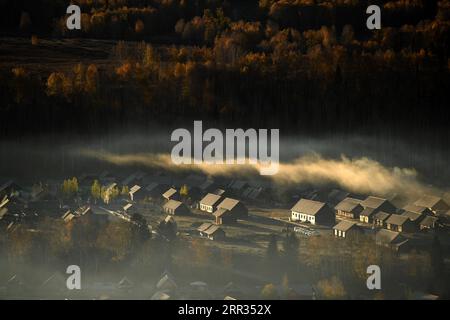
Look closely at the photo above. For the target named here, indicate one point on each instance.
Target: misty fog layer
(377, 165)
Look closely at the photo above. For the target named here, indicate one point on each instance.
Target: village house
(392, 240)
(211, 231)
(220, 192)
(373, 205)
(171, 194)
(129, 208)
(137, 193)
(400, 223)
(209, 202)
(435, 204)
(313, 212)
(175, 207)
(68, 216)
(415, 217)
(349, 208)
(429, 223)
(417, 209)
(346, 229)
(229, 210)
(379, 219)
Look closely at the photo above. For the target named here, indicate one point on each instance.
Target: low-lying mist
(382, 165)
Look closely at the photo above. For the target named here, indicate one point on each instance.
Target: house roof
(111, 186)
(429, 221)
(169, 219)
(135, 189)
(228, 203)
(338, 195)
(344, 225)
(386, 236)
(428, 201)
(68, 216)
(219, 191)
(381, 215)
(413, 216)
(348, 204)
(212, 229)
(173, 204)
(127, 206)
(204, 226)
(373, 202)
(308, 206)
(3, 212)
(220, 212)
(82, 211)
(210, 199)
(414, 208)
(169, 193)
(367, 212)
(397, 219)
(4, 202)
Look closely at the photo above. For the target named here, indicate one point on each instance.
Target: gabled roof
(413, 216)
(4, 202)
(309, 207)
(220, 212)
(228, 203)
(428, 201)
(397, 219)
(82, 211)
(204, 226)
(344, 225)
(338, 195)
(348, 204)
(170, 219)
(68, 216)
(173, 204)
(429, 221)
(169, 193)
(212, 229)
(381, 215)
(367, 212)
(135, 189)
(128, 206)
(386, 236)
(373, 202)
(414, 208)
(210, 199)
(219, 192)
